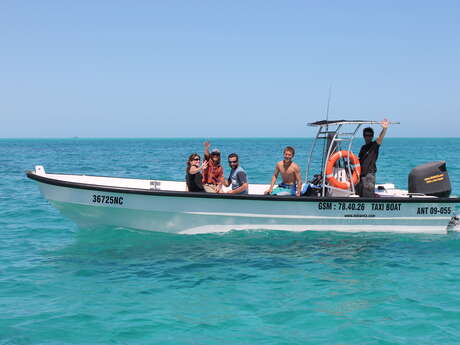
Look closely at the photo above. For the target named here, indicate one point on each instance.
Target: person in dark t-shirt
(193, 176)
(368, 156)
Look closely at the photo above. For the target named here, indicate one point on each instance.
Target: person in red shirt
(213, 175)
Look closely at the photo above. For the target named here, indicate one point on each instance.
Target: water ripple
(64, 285)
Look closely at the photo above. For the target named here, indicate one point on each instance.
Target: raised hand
(385, 123)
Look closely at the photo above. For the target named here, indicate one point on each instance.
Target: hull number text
(106, 199)
(434, 210)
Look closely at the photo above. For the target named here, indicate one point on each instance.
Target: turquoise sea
(60, 284)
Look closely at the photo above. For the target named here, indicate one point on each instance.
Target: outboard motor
(430, 179)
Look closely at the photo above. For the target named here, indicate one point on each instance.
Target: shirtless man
(290, 174)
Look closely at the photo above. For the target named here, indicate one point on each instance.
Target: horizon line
(208, 137)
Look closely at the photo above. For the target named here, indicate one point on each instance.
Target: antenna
(326, 141)
(328, 104)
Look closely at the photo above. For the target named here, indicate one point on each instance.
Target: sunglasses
(232, 162)
(196, 159)
(368, 135)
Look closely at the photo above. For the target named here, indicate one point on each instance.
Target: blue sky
(226, 68)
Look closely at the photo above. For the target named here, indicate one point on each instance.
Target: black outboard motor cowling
(430, 179)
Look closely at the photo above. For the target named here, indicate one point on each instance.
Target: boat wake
(215, 228)
(208, 229)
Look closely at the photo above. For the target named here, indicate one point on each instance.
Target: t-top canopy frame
(347, 122)
(332, 139)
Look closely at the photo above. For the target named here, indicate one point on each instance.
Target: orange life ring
(330, 166)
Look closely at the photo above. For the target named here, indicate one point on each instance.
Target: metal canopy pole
(334, 139)
(348, 159)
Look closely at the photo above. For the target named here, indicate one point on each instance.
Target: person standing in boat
(193, 176)
(290, 174)
(213, 174)
(238, 177)
(368, 156)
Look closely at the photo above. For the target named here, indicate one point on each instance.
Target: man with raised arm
(290, 174)
(213, 174)
(368, 156)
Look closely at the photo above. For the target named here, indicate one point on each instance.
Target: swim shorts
(285, 189)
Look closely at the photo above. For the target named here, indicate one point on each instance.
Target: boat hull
(201, 213)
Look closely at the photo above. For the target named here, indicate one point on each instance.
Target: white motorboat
(166, 206)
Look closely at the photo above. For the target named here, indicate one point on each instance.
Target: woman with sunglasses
(193, 177)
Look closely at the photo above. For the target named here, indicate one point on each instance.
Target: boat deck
(382, 190)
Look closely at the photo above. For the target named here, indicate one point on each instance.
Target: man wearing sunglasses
(368, 156)
(237, 178)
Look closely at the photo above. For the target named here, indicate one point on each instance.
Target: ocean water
(60, 284)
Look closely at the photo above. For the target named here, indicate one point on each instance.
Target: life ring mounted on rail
(330, 168)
